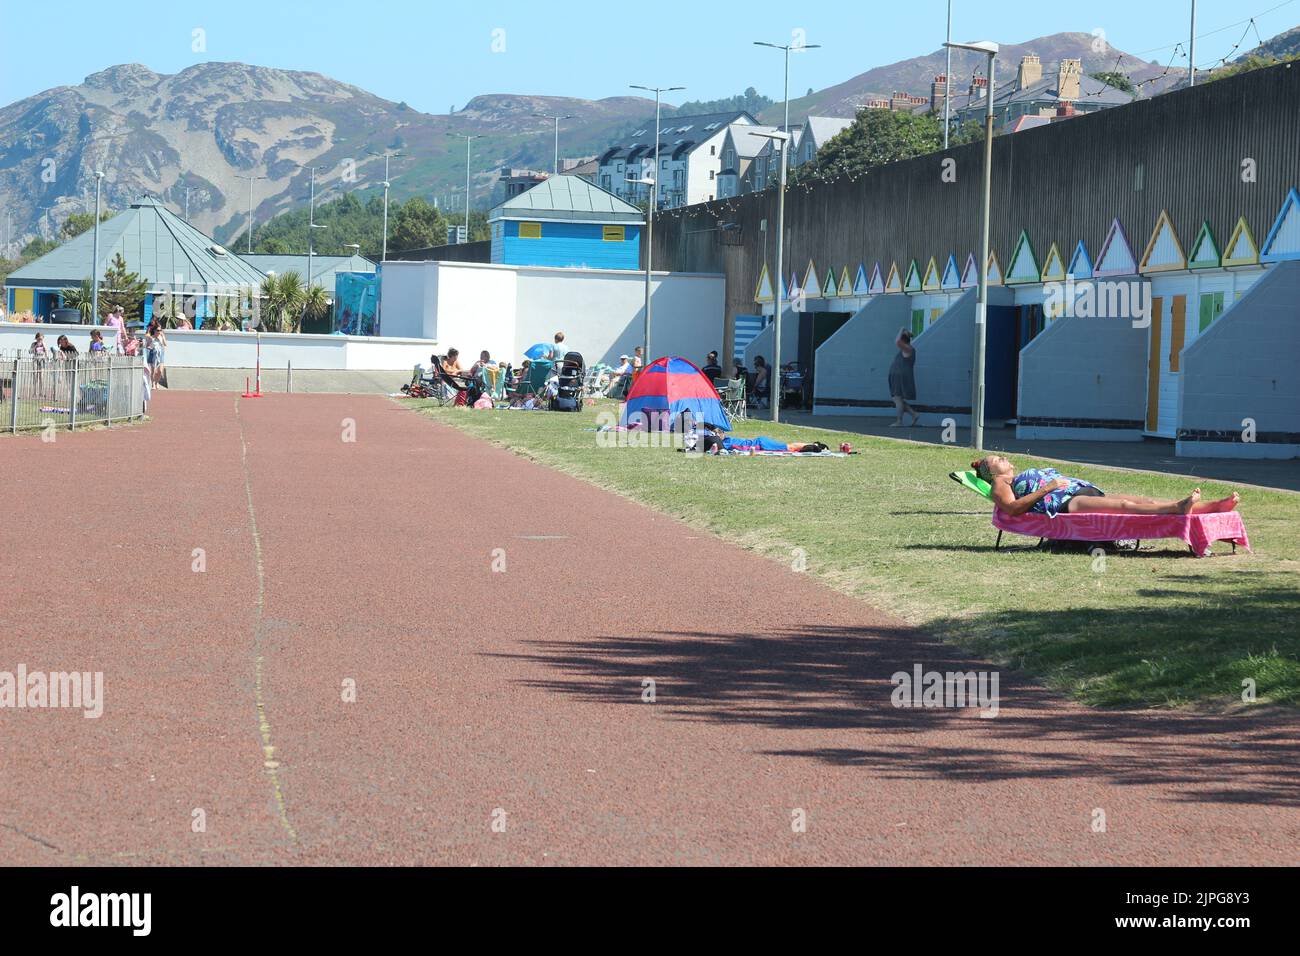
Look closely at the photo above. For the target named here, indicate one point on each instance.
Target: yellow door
(1154, 362)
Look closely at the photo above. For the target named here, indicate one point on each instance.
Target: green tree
(282, 300)
(1116, 81)
(316, 307)
(79, 222)
(417, 225)
(37, 248)
(750, 101)
(81, 298)
(876, 137)
(123, 290)
(1247, 64)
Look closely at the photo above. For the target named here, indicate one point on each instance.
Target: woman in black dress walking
(902, 382)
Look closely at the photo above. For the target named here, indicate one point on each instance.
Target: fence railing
(63, 392)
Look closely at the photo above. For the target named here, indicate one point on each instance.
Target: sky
(435, 54)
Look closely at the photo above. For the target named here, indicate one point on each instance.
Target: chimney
(1068, 80)
(938, 92)
(1030, 72)
(1064, 110)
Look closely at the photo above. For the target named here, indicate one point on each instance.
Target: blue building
(566, 221)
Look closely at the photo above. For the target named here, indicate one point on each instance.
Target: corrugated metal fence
(58, 392)
(1213, 153)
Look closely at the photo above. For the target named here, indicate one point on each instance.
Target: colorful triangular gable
(1080, 263)
(951, 277)
(994, 268)
(812, 282)
(1164, 253)
(970, 275)
(1116, 256)
(1241, 249)
(1283, 241)
(877, 284)
(794, 288)
(932, 281)
(861, 284)
(1053, 266)
(763, 291)
(830, 288)
(893, 283)
(1205, 251)
(913, 281)
(846, 284)
(1023, 265)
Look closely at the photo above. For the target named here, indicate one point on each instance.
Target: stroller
(568, 385)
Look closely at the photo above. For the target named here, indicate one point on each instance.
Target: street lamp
(780, 216)
(311, 218)
(468, 138)
(990, 49)
(250, 179)
(383, 257)
(649, 221)
(557, 135)
(653, 183)
(94, 266)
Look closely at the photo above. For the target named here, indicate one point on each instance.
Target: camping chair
(1197, 531)
(538, 374)
(493, 378)
(732, 393)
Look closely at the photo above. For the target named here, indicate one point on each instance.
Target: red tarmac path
(521, 691)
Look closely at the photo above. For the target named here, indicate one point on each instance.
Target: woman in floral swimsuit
(1045, 491)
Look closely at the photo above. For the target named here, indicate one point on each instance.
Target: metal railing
(58, 392)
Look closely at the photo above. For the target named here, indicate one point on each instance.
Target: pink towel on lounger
(1200, 531)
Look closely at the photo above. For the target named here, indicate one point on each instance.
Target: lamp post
(990, 49)
(784, 142)
(311, 219)
(947, 79)
(557, 119)
(250, 179)
(469, 137)
(653, 183)
(383, 257)
(94, 265)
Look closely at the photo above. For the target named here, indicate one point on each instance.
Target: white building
(690, 159)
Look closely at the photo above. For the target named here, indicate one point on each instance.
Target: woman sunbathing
(1045, 491)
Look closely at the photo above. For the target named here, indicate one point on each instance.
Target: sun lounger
(1197, 531)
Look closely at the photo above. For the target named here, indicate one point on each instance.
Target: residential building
(816, 132)
(567, 222)
(1033, 94)
(690, 158)
(743, 142)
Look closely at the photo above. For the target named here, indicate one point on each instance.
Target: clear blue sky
(436, 53)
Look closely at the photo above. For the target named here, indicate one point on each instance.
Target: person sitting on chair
(711, 368)
(762, 382)
(1046, 491)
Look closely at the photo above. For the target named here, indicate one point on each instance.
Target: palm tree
(82, 299)
(282, 298)
(315, 304)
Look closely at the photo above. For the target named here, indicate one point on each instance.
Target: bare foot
(1186, 506)
(1226, 504)
(915, 420)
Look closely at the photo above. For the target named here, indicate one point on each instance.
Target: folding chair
(732, 394)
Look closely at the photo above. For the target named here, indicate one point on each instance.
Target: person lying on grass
(1046, 491)
(711, 442)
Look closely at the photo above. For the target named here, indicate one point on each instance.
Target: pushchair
(568, 383)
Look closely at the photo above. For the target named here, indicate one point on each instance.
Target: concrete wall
(763, 343)
(506, 309)
(1244, 366)
(853, 364)
(1084, 378)
(238, 350)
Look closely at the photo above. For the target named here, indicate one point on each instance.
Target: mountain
(1284, 46)
(914, 75)
(212, 123)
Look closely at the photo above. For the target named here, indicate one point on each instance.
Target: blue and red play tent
(669, 387)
